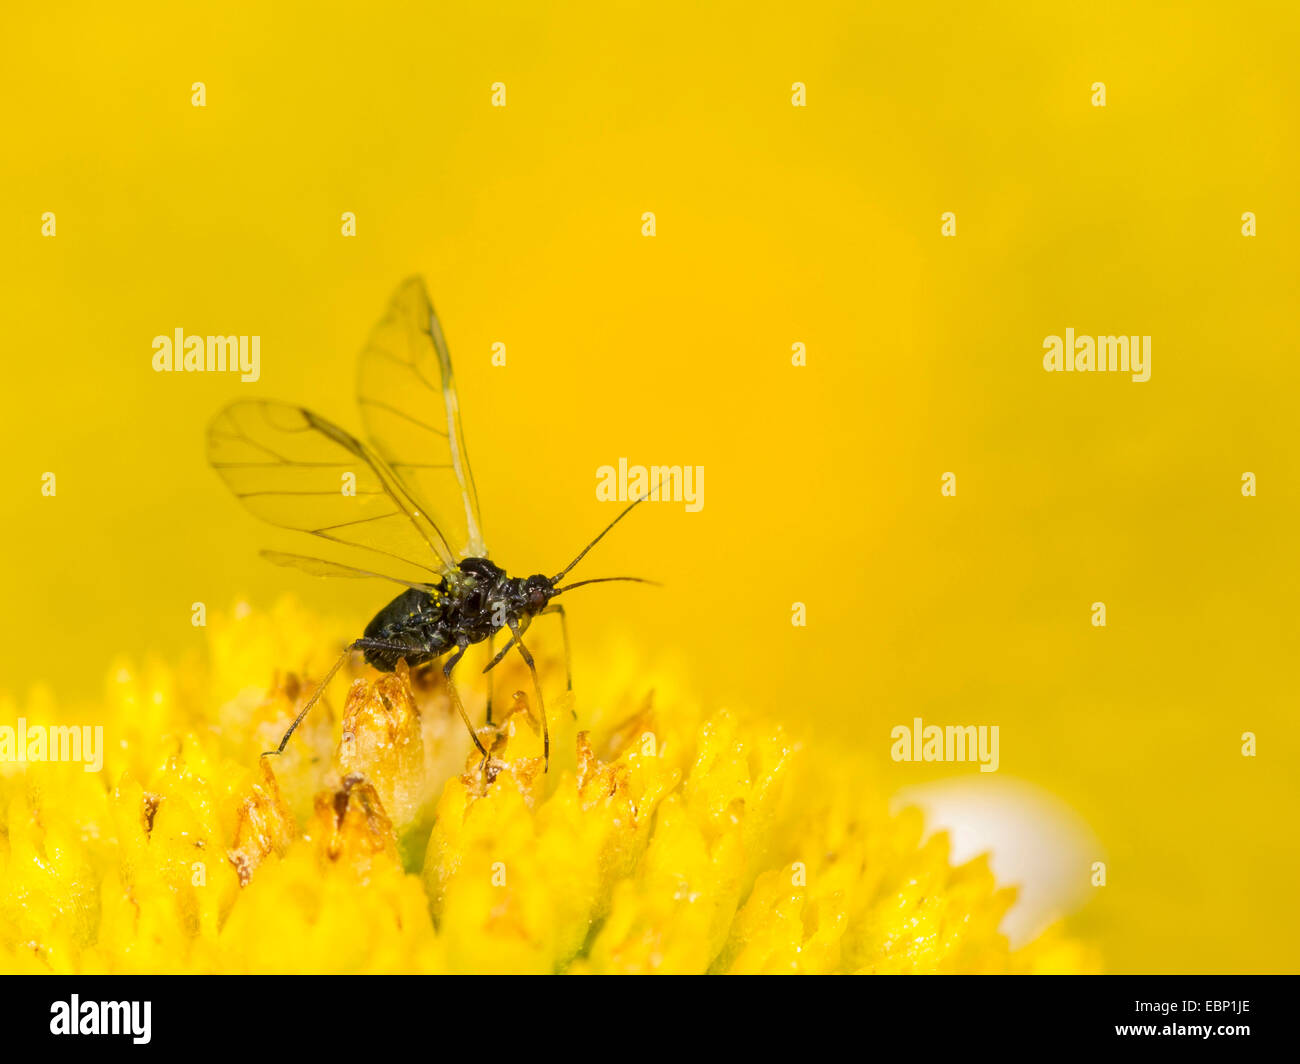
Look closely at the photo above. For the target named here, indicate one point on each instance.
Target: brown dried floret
(382, 741)
(351, 828)
(263, 825)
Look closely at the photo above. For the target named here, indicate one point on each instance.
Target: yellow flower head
(661, 840)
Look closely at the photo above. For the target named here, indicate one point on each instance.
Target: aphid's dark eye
(536, 600)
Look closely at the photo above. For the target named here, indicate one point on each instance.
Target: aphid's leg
(517, 632)
(311, 701)
(505, 649)
(555, 607)
(488, 672)
(500, 655)
(455, 696)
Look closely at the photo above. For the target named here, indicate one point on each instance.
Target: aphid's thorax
(486, 600)
(474, 575)
(481, 599)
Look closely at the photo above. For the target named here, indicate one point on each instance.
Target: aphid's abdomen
(410, 627)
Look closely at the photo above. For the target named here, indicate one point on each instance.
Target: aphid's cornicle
(291, 467)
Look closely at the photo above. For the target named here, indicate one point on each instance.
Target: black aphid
(297, 470)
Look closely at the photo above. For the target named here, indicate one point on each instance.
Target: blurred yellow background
(775, 225)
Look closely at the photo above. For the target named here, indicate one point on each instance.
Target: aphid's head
(538, 591)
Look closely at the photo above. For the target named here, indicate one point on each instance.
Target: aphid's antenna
(558, 576)
(607, 579)
(311, 702)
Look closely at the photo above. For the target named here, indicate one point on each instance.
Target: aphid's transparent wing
(322, 567)
(294, 469)
(412, 416)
